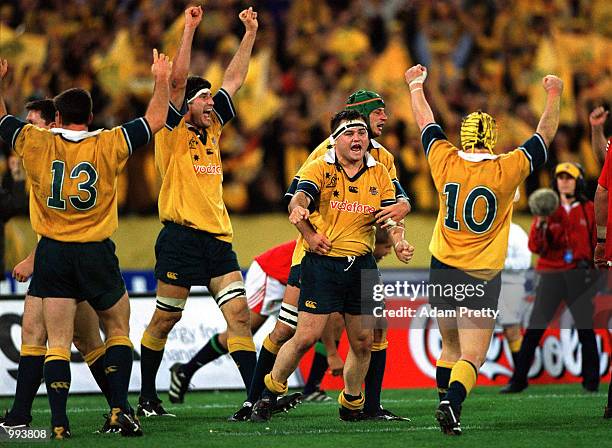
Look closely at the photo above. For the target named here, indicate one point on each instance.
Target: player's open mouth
(380, 126)
(356, 147)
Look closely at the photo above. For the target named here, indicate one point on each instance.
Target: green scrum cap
(364, 101)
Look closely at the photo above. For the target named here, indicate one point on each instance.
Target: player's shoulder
(317, 163)
(442, 151)
(35, 131)
(379, 167)
(512, 157)
(379, 152)
(321, 149)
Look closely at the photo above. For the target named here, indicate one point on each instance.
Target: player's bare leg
(257, 320)
(284, 329)
(325, 356)
(31, 361)
(230, 294)
(360, 338)
(88, 341)
(308, 331)
(172, 299)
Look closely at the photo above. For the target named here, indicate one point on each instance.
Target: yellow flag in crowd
(23, 50)
(255, 101)
(116, 69)
(551, 58)
(172, 37)
(387, 78)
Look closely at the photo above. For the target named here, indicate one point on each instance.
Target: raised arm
(182, 60)
(415, 77)
(3, 72)
(157, 111)
(549, 121)
(236, 71)
(597, 118)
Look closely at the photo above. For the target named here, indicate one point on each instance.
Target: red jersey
(276, 262)
(566, 238)
(605, 180)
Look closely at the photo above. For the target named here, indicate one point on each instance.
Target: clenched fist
(415, 74)
(193, 16)
(249, 18)
(404, 251)
(552, 84)
(298, 214)
(598, 116)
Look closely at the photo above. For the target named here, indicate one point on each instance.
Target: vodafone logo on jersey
(352, 207)
(208, 169)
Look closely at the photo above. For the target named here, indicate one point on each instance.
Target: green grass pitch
(542, 416)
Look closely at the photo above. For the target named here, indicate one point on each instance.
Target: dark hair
(195, 84)
(74, 106)
(345, 115)
(45, 107)
(382, 236)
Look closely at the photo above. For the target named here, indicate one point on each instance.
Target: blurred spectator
(310, 55)
(13, 199)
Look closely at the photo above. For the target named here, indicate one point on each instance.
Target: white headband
(198, 93)
(345, 127)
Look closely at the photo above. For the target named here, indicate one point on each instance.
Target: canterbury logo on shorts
(172, 275)
(311, 304)
(111, 369)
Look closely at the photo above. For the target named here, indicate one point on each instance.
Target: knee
(80, 344)
(451, 351)
(362, 345)
(304, 342)
(477, 359)
(33, 335)
(238, 315)
(281, 333)
(164, 323)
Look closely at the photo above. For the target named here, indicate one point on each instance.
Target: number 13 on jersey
(58, 170)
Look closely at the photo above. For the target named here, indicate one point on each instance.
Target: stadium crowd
(309, 56)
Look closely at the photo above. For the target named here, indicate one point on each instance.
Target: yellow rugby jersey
(73, 175)
(476, 193)
(343, 208)
(376, 150)
(189, 162)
